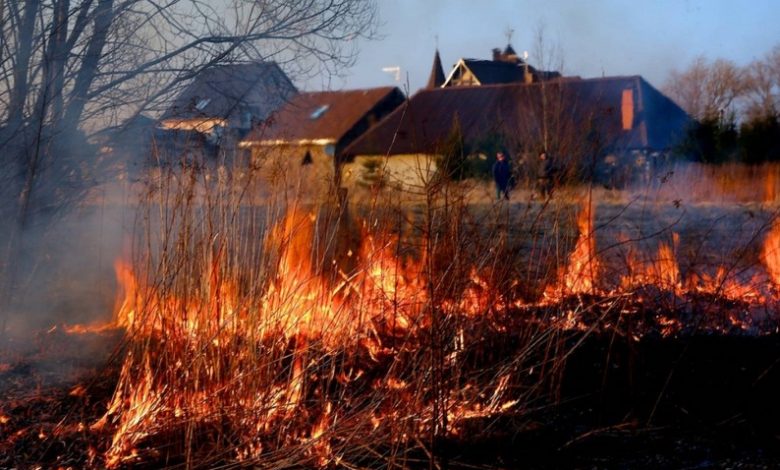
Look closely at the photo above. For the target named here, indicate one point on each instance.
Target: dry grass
(292, 334)
(280, 332)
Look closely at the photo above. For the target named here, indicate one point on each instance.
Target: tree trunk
(50, 94)
(59, 58)
(21, 67)
(89, 66)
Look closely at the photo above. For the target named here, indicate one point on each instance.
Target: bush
(759, 140)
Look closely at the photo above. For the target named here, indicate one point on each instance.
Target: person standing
(502, 175)
(545, 175)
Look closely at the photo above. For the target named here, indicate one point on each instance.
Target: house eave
(283, 142)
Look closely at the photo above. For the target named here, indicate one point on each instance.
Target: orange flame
(771, 253)
(301, 309)
(581, 273)
(126, 294)
(583, 267)
(300, 304)
(663, 271)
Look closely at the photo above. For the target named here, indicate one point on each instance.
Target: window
(627, 109)
(317, 113)
(201, 105)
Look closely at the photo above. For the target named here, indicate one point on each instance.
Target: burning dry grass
(324, 353)
(275, 338)
(295, 335)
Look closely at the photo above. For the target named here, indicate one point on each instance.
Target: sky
(595, 38)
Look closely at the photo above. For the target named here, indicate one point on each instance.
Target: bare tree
(67, 66)
(707, 90)
(71, 67)
(763, 87)
(565, 124)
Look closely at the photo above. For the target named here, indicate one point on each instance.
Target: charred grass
(614, 389)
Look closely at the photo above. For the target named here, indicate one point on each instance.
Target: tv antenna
(508, 32)
(395, 70)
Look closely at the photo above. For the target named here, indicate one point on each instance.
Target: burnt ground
(692, 401)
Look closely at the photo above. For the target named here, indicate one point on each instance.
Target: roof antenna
(508, 32)
(396, 70)
(436, 40)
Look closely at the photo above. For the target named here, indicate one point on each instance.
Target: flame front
(771, 253)
(224, 352)
(662, 271)
(278, 366)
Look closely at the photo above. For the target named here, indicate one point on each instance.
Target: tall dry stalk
(275, 331)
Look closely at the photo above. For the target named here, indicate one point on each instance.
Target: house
(203, 123)
(576, 120)
(505, 67)
(126, 148)
(306, 138)
(233, 96)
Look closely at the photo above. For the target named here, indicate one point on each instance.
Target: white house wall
(401, 172)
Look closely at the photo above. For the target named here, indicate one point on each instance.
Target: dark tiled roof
(324, 115)
(490, 72)
(231, 90)
(514, 111)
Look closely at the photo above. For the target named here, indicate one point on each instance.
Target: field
(598, 329)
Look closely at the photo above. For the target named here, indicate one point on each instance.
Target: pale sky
(605, 37)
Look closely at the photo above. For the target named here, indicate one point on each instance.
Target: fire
(321, 447)
(581, 273)
(126, 294)
(124, 308)
(583, 267)
(663, 271)
(726, 284)
(771, 253)
(277, 363)
(302, 309)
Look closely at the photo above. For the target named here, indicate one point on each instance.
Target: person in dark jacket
(502, 175)
(545, 175)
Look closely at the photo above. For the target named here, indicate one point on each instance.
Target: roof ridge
(351, 90)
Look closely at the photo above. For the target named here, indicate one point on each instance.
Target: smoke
(58, 268)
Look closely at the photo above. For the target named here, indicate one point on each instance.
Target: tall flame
(580, 275)
(206, 331)
(771, 253)
(583, 267)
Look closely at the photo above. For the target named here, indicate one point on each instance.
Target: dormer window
(201, 105)
(317, 113)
